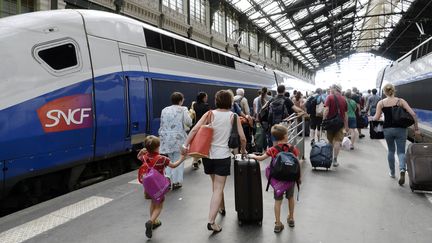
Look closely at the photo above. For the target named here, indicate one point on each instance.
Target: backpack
(285, 166)
(238, 101)
(311, 105)
(319, 107)
(277, 111)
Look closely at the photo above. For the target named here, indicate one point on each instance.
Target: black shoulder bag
(400, 117)
(334, 123)
(234, 139)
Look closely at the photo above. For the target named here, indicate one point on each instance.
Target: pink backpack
(278, 186)
(155, 184)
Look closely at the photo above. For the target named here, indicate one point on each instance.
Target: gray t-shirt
(373, 101)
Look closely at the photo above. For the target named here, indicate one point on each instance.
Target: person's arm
(194, 130)
(243, 140)
(408, 108)
(178, 162)
(378, 111)
(259, 157)
(187, 120)
(141, 153)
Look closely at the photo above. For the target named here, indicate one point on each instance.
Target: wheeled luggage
(376, 130)
(419, 162)
(248, 190)
(321, 154)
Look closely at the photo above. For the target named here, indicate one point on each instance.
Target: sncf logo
(67, 113)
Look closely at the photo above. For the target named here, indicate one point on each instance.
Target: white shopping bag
(346, 143)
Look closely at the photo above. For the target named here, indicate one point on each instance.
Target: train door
(134, 64)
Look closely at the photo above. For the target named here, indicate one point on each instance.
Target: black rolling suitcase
(248, 190)
(376, 130)
(419, 161)
(321, 154)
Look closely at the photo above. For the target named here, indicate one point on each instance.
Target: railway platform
(355, 202)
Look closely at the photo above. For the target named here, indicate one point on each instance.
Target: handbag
(334, 123)
(400, 117)
(234, 139)
(201, 143)
(155, 184)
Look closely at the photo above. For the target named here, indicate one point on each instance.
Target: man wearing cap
(330, 110)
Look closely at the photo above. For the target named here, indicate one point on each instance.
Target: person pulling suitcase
(280, 133)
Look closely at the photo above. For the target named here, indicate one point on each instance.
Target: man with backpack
(336, 109)
(242, 101)
(315, 108)
(277, 109)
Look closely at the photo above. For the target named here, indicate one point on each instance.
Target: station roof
(321, 32)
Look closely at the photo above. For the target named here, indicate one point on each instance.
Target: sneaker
(392, 175)
(149, 229)
(176, 186)
(291, 223)
(335, 163)
(278, 227)
(156, 224)
(361, 136)
(402, 178)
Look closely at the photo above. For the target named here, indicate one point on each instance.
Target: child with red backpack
(152, 159)
(282, 148)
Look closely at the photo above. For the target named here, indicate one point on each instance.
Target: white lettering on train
(56, 115)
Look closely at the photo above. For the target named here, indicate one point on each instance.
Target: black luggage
(419, 162)
(321, 154)
(376, 130)
(248, 190)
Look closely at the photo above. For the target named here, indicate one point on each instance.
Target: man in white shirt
(242, 101)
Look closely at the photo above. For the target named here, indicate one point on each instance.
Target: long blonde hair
(389, 90)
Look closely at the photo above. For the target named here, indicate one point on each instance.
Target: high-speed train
(80, 86)
(412, 76)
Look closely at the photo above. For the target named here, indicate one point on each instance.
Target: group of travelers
(261, 133)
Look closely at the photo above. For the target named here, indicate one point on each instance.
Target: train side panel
(46, 112)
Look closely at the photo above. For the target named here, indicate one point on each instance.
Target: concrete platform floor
(356, 202)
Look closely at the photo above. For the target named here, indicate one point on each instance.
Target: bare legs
(217, 199)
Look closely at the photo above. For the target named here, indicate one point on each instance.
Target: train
(412, 76)
(79, 87)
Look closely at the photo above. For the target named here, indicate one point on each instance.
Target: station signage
(67, 113)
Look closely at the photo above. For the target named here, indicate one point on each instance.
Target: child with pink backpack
(151, 175)
(280, 135)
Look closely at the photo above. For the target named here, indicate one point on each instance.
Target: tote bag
(201, 143)
(400, 117)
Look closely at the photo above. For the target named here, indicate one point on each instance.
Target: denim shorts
(352, 122)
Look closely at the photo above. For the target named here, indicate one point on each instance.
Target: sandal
(278, 227)
(214, 227)
(156, 224)
(291, 223)
(222, 211)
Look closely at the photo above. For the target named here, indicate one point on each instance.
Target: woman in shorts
(218, 165)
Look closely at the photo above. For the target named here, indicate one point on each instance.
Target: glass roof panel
(272, 8)
(321, 18)
(242, 5)
(300, 14)
(315, 8)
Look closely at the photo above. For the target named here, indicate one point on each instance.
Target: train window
(208, 56)
(222, 59)
(419, 52)
(430, 46)
(153, 39)
(215, 58)
(59, 57)
(180, 47)
(191, 50)
(230, 62)
(167, 43)
(200, 52)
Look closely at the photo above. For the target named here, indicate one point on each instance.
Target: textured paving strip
(38, 226)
